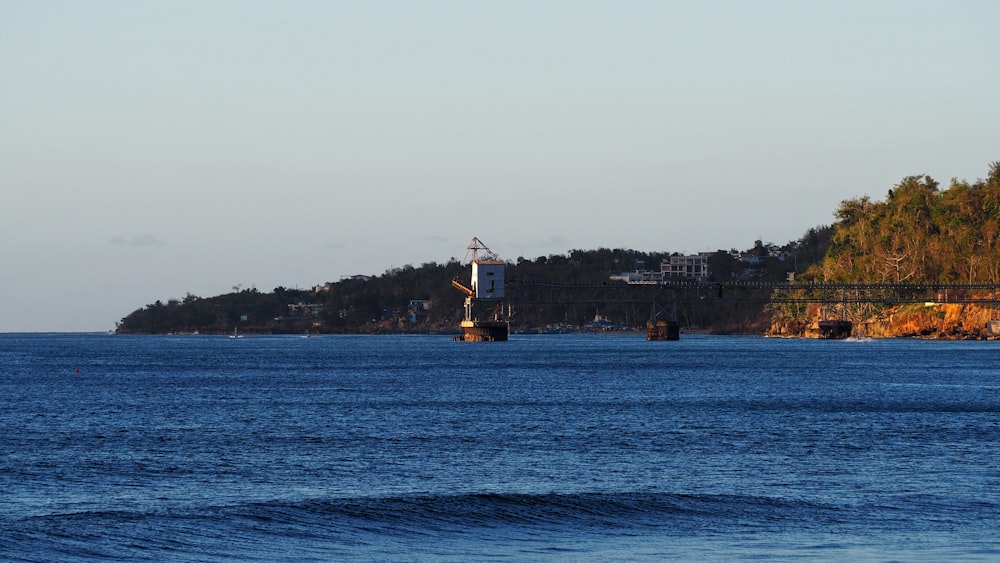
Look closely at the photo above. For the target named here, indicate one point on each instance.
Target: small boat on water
(236, 333)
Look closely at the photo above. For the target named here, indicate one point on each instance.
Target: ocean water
(543, 448)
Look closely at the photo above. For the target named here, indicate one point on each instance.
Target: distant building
(301, 309)
(417, 309)
(638, 276)
(693, 266)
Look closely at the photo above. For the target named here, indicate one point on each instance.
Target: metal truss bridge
(538, 292)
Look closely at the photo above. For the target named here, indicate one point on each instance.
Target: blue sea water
(543, 448)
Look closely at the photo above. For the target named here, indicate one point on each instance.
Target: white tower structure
(487, 279)
(487, 285)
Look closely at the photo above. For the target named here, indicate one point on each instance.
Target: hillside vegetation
(422, 299)
(920, 233)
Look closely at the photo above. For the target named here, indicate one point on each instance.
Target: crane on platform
(487, 285)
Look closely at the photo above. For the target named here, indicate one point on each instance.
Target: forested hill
(920, 233)
(422, 299)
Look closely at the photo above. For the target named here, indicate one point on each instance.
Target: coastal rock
(945, 321)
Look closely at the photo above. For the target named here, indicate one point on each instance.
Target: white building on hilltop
(693, 266)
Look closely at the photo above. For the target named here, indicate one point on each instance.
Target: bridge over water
(837, 300)
(539, 292)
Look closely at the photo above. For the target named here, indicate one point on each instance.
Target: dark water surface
(559, 448)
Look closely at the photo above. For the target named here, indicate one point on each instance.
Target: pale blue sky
(151, 149)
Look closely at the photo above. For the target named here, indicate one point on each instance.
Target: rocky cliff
(946, 321)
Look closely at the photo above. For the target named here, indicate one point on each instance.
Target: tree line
(919, 233)
(421, 298)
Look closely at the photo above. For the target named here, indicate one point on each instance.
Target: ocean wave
(444, 527)
(449, 524)
(426, 513)
(613, 511)
(595, 509)
(344, 525)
